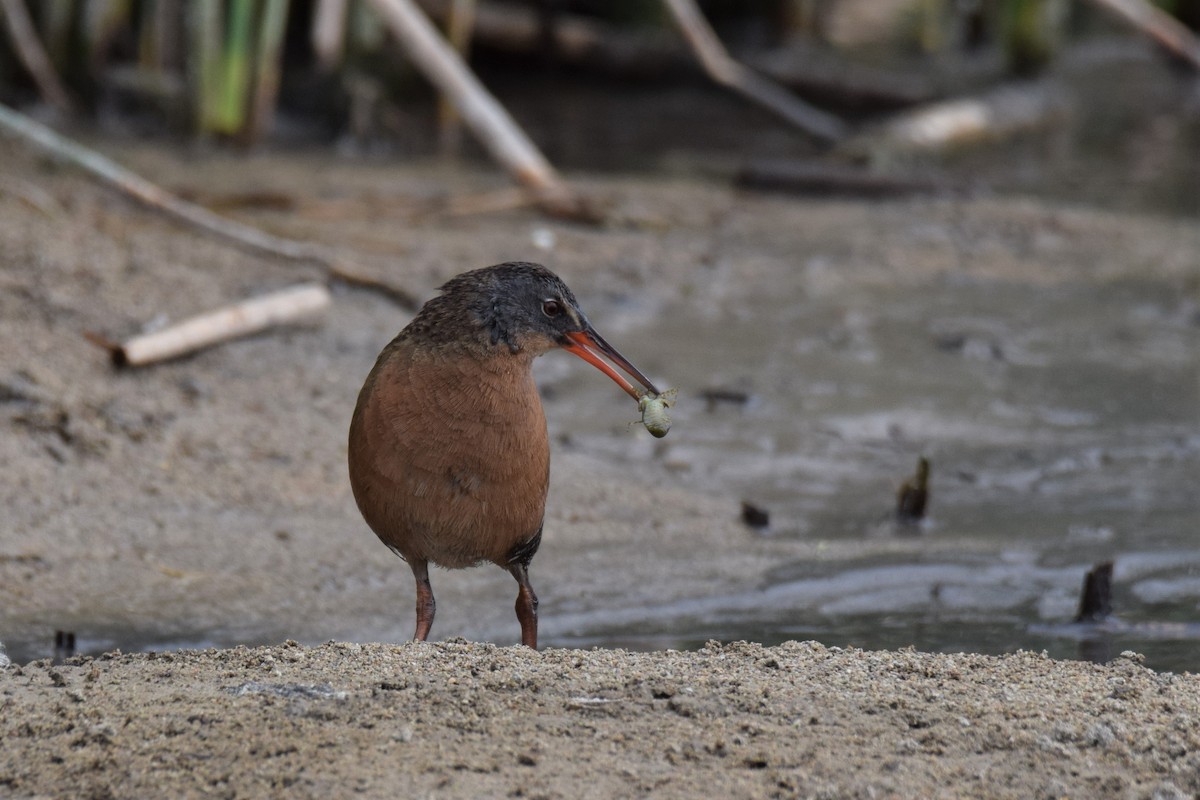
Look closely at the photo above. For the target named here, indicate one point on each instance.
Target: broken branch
(231, 322)
(153, 196)
(726, 71)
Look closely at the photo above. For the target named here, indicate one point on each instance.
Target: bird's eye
(551, 308)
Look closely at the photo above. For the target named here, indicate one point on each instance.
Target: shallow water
(1063, 425)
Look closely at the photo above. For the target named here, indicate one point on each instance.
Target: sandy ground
(474, 720)
(206, 500)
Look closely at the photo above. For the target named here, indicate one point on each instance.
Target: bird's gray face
(529, 309)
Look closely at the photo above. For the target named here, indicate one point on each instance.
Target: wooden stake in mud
(913, 496)
(1095, 599)
(231, 322)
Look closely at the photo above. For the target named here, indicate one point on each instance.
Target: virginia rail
(449, 459)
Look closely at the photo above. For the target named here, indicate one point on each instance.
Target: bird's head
(528, 310)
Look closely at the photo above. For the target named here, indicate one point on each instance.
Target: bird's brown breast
(448, 454)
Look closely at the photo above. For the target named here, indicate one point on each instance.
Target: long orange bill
(589, 346)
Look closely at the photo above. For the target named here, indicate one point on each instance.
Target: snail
(655, 411)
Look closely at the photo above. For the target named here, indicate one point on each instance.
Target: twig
(493, 126)
(33, 56)
(231, 322)
(728, 72)
(1158, 24)
(151, 195)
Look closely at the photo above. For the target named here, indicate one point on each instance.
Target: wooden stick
(1159, 25)
(493, 126)
(231, 322)
(33, 56)
(329, 32)
(727, 72)
(151, 195)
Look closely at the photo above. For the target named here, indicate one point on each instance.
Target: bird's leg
(426, 606)
(527, 605)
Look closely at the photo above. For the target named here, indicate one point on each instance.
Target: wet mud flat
(457, 719)
(204, 502)
(1043, 357)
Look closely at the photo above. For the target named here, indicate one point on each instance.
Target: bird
(448, 453)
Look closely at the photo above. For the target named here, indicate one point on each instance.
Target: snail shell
(655, 410)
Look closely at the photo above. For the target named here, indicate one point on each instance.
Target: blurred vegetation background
(225, 68)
